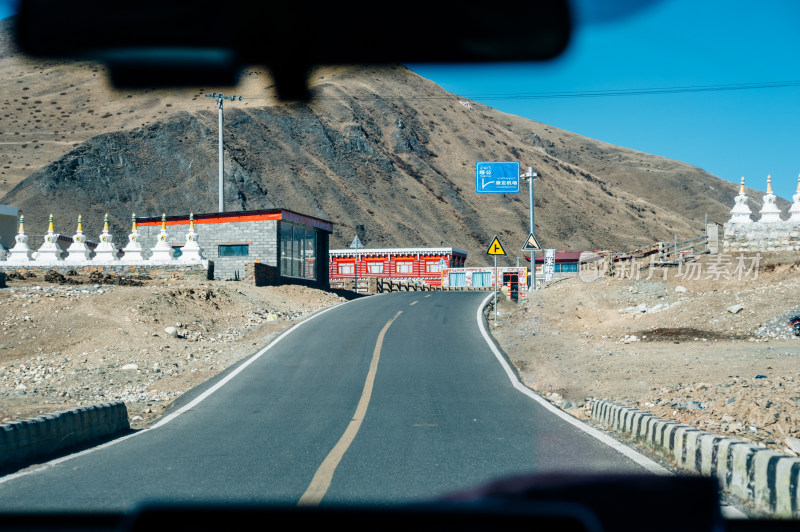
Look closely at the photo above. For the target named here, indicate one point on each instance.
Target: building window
(375, 267)
(433, 267)
(298, 251)
(565, 267)
(309, 254)
(234, 250)
(405, 267)
(346, 268)
(457, 279)
(481, 279)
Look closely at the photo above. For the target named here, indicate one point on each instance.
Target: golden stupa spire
(80, 223)
(21, 224)
(191, 221)
(769, 184)
(798, 182)
(133, 222)
(50, 225)
(741, 187)
(163, 221)
(105, 224)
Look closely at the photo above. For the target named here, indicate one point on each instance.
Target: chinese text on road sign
(497, 176)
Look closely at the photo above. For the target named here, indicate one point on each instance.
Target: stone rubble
(70, 344)
(720, 355)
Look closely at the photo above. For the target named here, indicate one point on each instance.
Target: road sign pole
(495, 289)
(530, 197)
(531, 175)
(495, 249)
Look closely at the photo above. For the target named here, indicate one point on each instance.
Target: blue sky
(658, 44)
(667, 44)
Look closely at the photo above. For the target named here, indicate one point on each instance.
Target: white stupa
(133, 251)
(78, 251)
(162, 250)
(770, 213)
(20, 253)
(794, 210)
(740, 214)
(105, 250)
(50, 251)
(191, 249)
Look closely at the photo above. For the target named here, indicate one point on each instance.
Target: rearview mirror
(163, 44)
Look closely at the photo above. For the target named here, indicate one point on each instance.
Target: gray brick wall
(260, 236)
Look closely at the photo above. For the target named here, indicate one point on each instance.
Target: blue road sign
(497, 177)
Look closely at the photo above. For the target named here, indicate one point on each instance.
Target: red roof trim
(240, 216)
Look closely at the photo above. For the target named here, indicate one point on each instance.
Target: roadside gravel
(84, 342)
(681, 349)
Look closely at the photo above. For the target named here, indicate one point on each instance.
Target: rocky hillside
(380, 152)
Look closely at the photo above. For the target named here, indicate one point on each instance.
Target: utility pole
(221, 98)
(531, 176)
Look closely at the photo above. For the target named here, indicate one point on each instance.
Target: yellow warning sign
(531, 244)
(496, 248)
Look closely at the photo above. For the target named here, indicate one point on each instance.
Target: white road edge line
(200, 398)
(641, 460)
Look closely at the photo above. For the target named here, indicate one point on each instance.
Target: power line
(635, 92)
(591, 93)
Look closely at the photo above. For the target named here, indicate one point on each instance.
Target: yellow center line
(324, 475)
(413, 303)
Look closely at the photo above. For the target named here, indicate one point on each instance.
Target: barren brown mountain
(381, 152)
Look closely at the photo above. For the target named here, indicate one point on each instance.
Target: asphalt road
(390, 398)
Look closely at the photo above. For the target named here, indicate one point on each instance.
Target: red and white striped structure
(399, 264)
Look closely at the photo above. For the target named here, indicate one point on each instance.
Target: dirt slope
(92, 340)
(670, 347)
(381, 152)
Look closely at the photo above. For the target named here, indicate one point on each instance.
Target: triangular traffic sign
(356, 243)
(531, 244)
(496, 248)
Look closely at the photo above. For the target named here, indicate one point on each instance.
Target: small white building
(512, 280)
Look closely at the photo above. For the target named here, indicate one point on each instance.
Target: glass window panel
(481, 279)
(457, 279)
(433, 267)
(286, 249)
(297, 251)
(234, 250)
(310, 254)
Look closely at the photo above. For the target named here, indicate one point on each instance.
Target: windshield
(425, 278)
